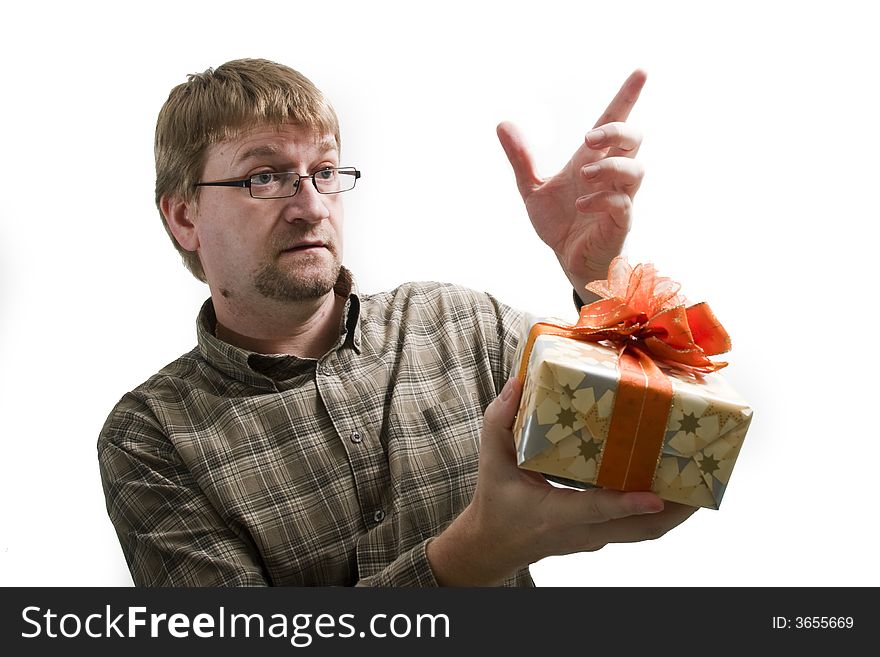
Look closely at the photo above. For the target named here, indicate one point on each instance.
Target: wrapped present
(627, 398)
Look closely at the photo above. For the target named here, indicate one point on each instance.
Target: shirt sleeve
(170, 533)
(502, 327)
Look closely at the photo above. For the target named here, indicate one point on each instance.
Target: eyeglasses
(331, 180)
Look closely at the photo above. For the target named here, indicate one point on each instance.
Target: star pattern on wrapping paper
(689, 423)
(566, 418)
(567, 391)
(709, 464)
(589, 449)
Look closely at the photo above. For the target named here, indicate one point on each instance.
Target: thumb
(499, 417)
(514, 145)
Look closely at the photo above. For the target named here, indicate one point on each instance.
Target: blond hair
(220, 104)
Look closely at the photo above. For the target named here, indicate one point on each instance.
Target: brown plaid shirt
(232, 468)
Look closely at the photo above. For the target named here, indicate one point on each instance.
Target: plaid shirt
(232, 468)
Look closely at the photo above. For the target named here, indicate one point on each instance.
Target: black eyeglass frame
(247, 182)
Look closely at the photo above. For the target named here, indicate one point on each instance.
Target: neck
(306, 329)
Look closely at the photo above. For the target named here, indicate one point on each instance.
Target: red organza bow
(643, 309)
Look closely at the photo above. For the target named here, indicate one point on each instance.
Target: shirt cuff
(409, 569)
(583, 298)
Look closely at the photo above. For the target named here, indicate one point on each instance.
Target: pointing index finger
(620, 107)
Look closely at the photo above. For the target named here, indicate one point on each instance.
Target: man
(320, 436)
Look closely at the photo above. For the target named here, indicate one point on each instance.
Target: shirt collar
(265, 370)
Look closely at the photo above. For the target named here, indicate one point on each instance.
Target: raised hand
(584, 212)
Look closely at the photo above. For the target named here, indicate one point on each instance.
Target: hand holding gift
(516, 517)
(595, 407)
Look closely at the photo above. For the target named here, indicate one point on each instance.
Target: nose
(307, 204)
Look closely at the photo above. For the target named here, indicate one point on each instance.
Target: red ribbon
(644, 310)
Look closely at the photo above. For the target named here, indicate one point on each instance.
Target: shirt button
(379, 516)
(356, 437)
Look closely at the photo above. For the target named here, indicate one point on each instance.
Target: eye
(262, 178)
(326, 175)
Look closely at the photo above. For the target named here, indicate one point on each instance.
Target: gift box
(605, 402)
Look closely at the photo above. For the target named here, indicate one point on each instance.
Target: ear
(177, 215)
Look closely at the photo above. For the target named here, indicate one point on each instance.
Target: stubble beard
(307, 282)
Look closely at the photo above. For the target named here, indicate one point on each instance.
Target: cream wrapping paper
(565, 413)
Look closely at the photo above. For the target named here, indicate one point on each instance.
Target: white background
(760, 147)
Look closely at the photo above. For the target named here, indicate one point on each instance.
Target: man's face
(287, 249)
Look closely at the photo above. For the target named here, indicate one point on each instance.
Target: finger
(497, 449)
(616, 204)
(514, 145)
(620, 174)
(597, 506)
(621, 106)
(499, 417)
(635, 528)
(621, 137)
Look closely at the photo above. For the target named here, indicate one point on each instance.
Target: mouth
(305, 247)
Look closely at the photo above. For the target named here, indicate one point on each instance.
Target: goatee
(311, 281)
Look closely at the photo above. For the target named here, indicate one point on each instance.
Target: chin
(296, 286)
